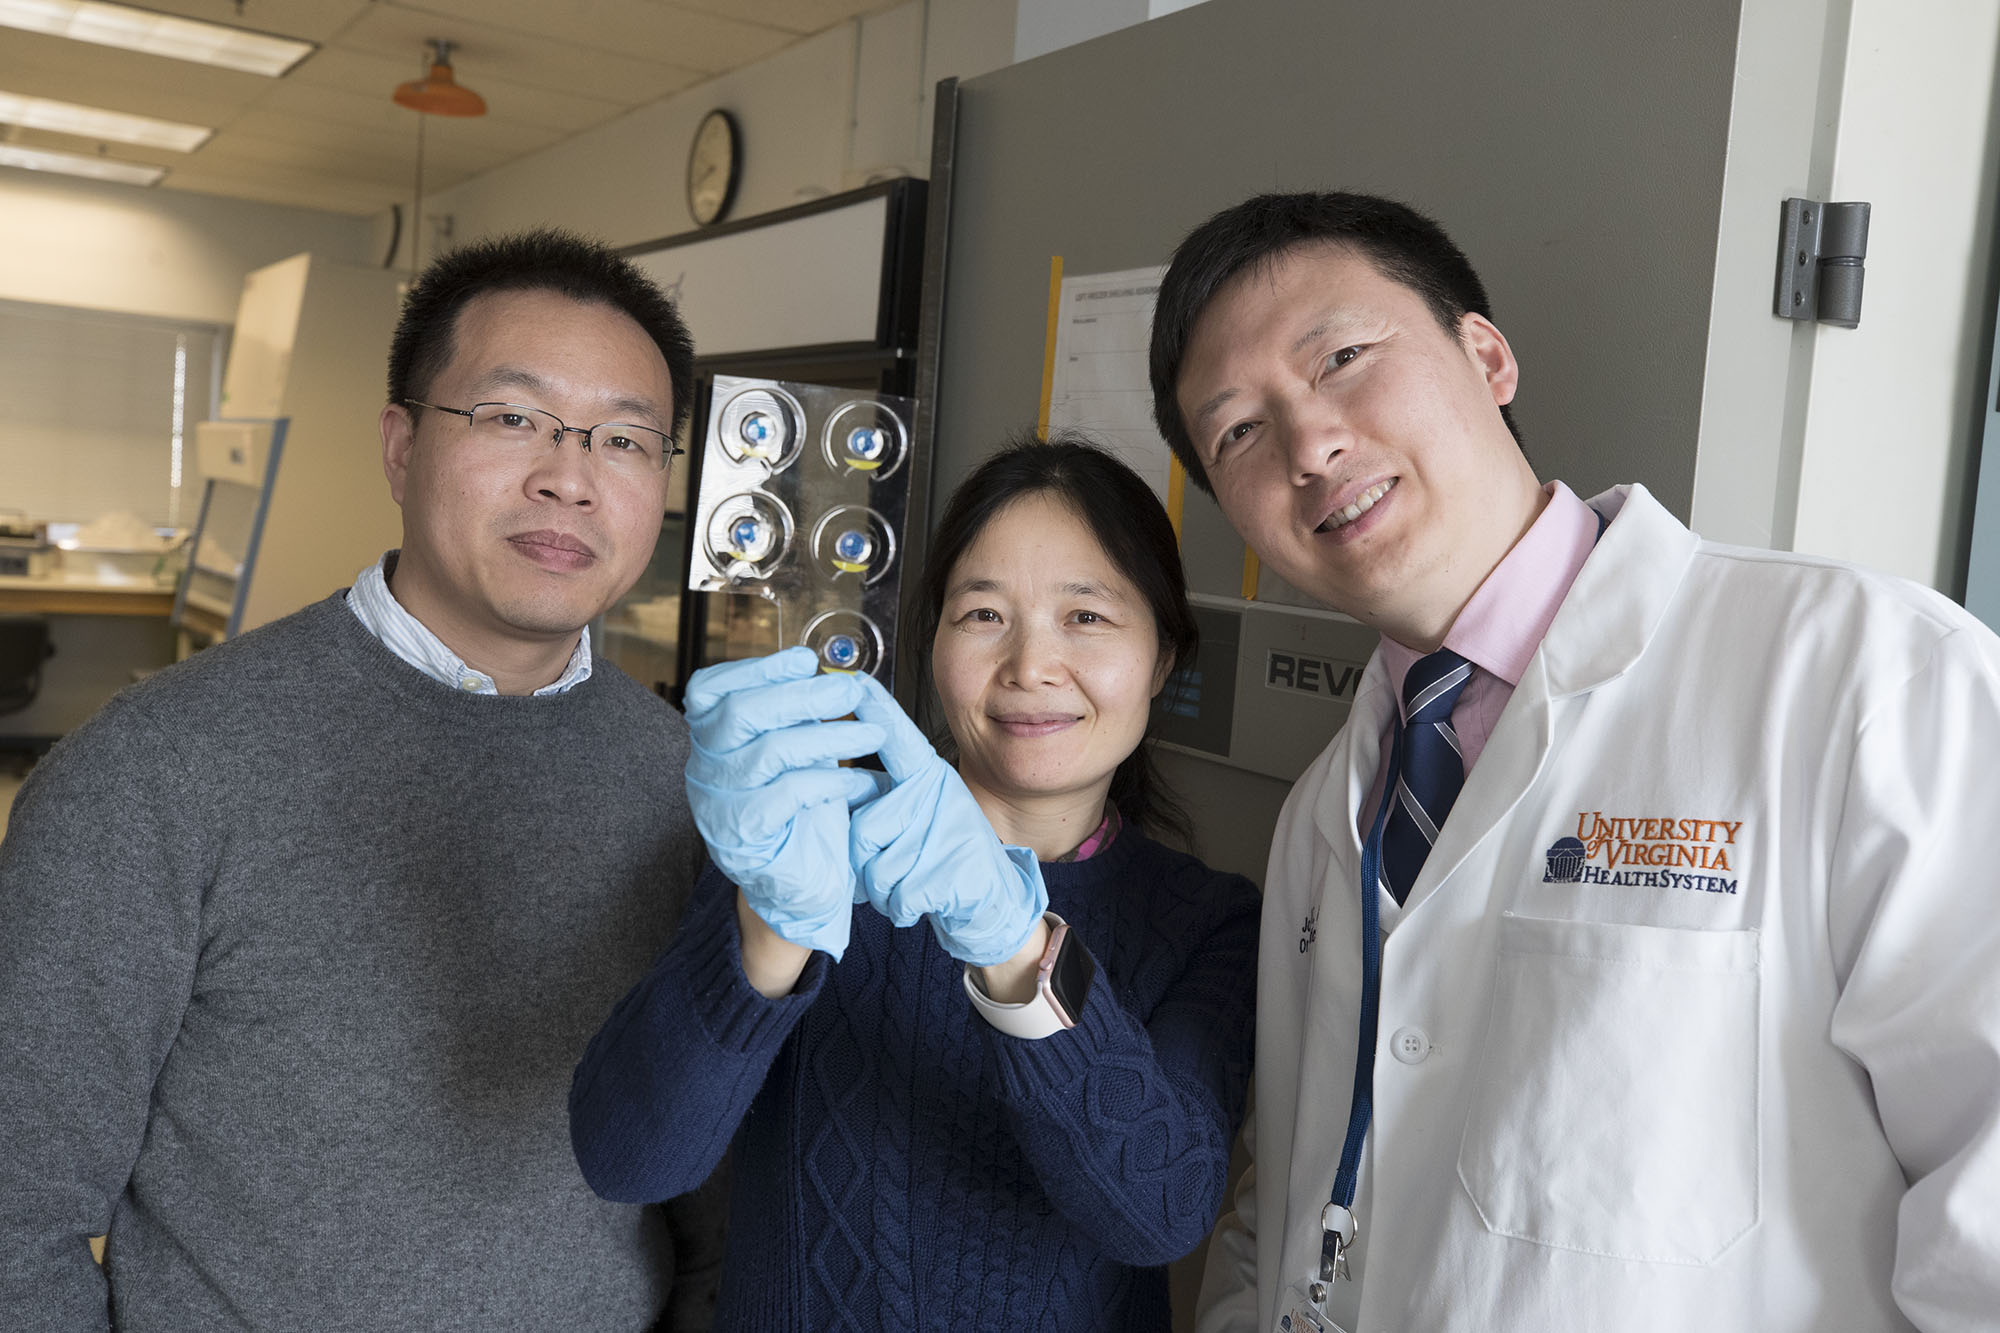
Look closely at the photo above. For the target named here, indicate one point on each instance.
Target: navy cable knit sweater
(903, 1164)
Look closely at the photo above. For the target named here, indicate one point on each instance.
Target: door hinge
(1820, 252)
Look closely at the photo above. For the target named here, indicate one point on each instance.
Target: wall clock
(715, 160)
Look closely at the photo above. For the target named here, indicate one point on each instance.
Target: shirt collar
(410, 639)
(1502, 626)
(1100, 837)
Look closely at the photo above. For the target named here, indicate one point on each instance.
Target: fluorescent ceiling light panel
(156, 34)
(75, 164)
(89, 122)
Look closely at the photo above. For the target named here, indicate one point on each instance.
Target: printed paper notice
(1104, 324)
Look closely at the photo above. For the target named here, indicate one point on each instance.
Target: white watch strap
(1035, 1019)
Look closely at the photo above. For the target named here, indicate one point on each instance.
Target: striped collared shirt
(405, 636)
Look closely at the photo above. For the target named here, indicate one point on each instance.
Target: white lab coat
(1746, 1078)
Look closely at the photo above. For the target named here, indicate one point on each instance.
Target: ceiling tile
(800, 17)
(300, 192)
(374, 111)
(288, 165)
(351, 161)
(328, 136)
(393, 156)
(453, 150)
(341, 106)
(394, 170)
(708, 43)
(551, 107)
(314, 20)
(270, 122)
(37, 65)
(488, 56)
(70, 143)
(247, 154)
(357, 71)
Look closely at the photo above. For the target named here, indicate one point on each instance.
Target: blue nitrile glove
(768, 795)
(924, 847)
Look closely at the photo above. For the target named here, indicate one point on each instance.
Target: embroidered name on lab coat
(1612, 850)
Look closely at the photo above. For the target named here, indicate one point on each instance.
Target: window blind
(98, 409)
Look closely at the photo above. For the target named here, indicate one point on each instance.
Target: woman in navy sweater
(937, 1131)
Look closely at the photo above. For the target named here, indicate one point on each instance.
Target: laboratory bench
(62, 593)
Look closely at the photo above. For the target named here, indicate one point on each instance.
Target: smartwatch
(1062, 985)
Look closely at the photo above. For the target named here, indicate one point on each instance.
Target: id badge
(1298, 1312)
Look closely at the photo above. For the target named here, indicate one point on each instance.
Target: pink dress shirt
(1498, 632)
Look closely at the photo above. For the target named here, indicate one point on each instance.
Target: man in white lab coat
(1688, 981)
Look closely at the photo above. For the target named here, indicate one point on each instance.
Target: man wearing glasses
(299, 940)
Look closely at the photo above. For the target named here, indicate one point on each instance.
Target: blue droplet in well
(867, 442)
(853, 546)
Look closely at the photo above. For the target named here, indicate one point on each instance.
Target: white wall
(65, 241)
(962, 39)
(1790, 59)
(1891, 424)
(1050, 25)
(1856, 443)
(1043, 26)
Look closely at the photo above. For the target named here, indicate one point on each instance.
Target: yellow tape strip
(1250, 571)
(1049, 346)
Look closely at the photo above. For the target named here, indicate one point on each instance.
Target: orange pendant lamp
(437, 93)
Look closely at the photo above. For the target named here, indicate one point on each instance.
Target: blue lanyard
(1348, 1177)
(1337, 1225)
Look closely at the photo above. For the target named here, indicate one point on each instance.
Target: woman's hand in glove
(924, 848)
(767, 791)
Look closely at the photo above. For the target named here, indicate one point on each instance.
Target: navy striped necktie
(1431, 769)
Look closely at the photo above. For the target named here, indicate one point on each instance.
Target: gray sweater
(298, 948)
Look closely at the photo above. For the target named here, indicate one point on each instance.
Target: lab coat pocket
(1615, 1108)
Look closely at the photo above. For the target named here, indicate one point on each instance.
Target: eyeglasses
(617, 444)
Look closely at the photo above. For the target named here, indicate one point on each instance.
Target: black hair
(543, 260)
(1130, 525)
(1403, 245)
